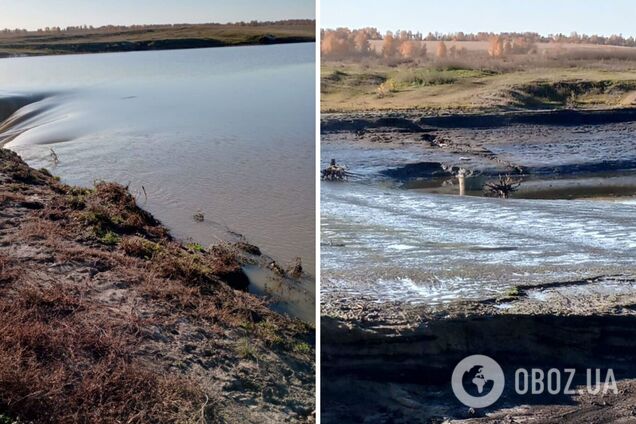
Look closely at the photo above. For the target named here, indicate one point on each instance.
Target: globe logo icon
(478, 381)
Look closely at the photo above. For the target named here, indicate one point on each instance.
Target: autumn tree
(361, 42)
(441, 50)
(335, 44)
(496, 48)
(507, 47)
(389, 45)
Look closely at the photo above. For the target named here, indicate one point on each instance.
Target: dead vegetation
(503, 187)
(334, 172)
(97, 302)
(60, 364)
(110, 208)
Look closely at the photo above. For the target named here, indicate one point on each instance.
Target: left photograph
(157, 211)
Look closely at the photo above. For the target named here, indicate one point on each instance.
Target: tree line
(112, 28)
(344, 42)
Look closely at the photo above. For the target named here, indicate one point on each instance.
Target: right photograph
(478, 212)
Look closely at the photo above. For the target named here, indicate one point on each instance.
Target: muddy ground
(594, 155)
(391, 362)
(104, 317)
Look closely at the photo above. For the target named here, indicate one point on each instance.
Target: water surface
(226, 131)
(388, 243)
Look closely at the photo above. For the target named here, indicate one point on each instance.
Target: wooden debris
(198, 216)
(503, 187)
(334, 172)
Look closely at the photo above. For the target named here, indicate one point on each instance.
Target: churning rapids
(386, 243)
(228, 132)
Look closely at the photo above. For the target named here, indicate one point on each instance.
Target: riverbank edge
(416, 120)
(97, 247)
(145, 45)
(408, 352)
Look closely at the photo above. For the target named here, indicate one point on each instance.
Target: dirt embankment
(105, 318)
(416, 120)
(398, 359)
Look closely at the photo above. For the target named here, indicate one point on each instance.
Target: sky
(33, 14)
(601, 17)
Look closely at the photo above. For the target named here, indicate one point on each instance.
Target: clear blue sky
(602, 17)
(33, 14)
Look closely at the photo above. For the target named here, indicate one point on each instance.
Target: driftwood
(296, 270)
(334, 172)
(198, 216)
(503, 187)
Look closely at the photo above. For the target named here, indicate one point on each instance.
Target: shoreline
(155, 37)
(74, 261)
(405, 355)
(194, 46)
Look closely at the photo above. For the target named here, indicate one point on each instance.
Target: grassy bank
(104, 317)
(183, 36)
(465, 86)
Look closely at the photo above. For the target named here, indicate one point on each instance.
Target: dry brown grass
(11, 165)
(190, 268)
(9, 197)
(180, 297)
(41, 230)
(8, 273)
(140, 247)
(55, 356)
(154, 37)
(111, 208)
(196, 268)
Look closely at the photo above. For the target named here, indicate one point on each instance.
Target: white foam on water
(404, 245)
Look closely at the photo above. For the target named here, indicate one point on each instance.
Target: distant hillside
(72, 40)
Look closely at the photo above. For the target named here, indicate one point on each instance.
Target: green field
(114, 39)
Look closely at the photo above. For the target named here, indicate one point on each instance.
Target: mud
(419, 152)
(415, 120)
(393, 362)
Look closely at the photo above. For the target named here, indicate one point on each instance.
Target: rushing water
(227, 131)
(403, 245)
(387, 243)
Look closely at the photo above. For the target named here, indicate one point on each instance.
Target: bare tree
(503, 187)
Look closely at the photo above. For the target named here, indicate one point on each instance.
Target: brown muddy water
(396, 232)
(228, 132)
